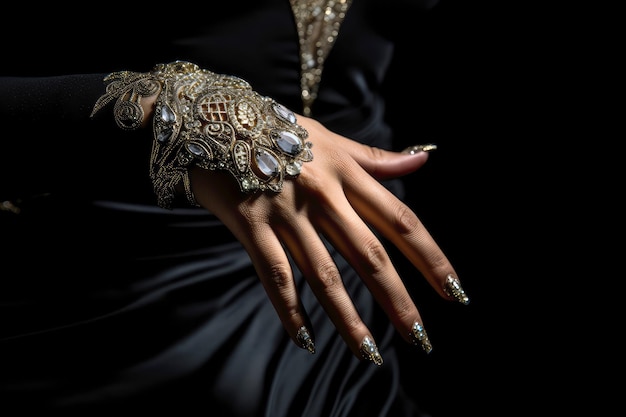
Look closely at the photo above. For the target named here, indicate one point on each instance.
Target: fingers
(274, 271)
(248, 220)
(324, 278)
(379, 163)
(267, 227)
(360, 246)
(382, 164)
(398, 223)
(378, 207)
(338, 196)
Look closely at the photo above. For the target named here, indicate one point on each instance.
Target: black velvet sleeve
(50, 144)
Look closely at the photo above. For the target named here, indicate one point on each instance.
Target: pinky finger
(276, 275)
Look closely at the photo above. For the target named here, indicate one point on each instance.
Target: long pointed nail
(305, 340)
(370, 351)
(420, 338)
(453, 289)
(412, 150)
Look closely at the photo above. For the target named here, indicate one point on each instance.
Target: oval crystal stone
(284, 113)
(196, 150)
(167, 115)
(289, 143)
(266, 162)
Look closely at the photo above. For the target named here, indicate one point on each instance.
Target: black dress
(110, 304)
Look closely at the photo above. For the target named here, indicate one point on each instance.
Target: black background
(518, 97)
(511, 195)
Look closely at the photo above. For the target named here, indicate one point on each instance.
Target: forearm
(50, 101)
(48, 140)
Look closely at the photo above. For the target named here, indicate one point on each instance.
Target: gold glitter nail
(412, 150)
(305, 340)
(453, 289)
(420, 338)
(370, 351)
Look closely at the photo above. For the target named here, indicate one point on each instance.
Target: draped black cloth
(110, 304)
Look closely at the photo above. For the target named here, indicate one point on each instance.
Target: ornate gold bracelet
(209, 120)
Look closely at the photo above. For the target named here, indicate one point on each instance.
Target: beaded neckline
(318, 23)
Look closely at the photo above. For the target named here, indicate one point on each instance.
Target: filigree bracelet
(213, 121)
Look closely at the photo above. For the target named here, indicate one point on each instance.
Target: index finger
(380, 208)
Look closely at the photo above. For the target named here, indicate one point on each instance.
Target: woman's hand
(337, 195)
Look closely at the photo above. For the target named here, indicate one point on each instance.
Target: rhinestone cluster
(218, 122)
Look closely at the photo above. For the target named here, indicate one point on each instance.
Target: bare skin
(337, 195)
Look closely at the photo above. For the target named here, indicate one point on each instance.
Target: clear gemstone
(289, 143)
(167, 115)
(266, 162)
(197, 150)
(294, 168)
(284, 113)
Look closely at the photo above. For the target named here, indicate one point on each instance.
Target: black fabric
(113, 304)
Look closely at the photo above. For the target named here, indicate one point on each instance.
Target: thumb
(383, 164)
(379, 163)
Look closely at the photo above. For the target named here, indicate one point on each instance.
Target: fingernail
(453, 289)
(370, 351)
(305, 340)
(412, 150)
(420, 338)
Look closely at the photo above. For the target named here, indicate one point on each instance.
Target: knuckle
(329, 277)
(312, 183)
(439, 262)
(376, 256)
(406, 220)
(280, 276)
(249, 214)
